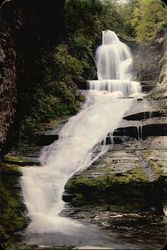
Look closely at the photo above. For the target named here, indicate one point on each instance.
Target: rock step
(22, 164)
(148, 85)
(129, 177)
(141, 131)
(144, 115)
(45, 140)
(20, 161)
(123, 195)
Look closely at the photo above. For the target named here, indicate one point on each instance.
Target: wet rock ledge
(130, 177)
(126, 188)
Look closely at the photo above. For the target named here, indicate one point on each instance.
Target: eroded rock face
(146, 61)
(127, 177)
(7, 79)
(25, 26)
(163, 67)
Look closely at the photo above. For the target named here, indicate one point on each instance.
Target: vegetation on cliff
(148, 20)
(51, 77)
(142, 20)
(53, 92)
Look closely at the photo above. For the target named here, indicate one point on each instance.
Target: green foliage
(86, 19)
(83, 20)
(84, 16)
(66, 65)
(50, 78)
(56, 95)
(125, 14)
(142, 19)
(149, 18)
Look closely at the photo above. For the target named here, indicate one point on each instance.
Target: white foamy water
(126, 88)
(113, 59)
(80, 139)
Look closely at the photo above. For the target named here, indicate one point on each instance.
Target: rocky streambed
(126, 188)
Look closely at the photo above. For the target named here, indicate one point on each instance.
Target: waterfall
(122, 87)
(80, 140)
(114, 59)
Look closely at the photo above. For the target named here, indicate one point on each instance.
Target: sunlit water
(79, 144)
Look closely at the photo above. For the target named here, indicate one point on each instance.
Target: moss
(147, 153)
(163, 111)
(104, 177)
(12, 208)
(9, 169)
(158, 168)
(135, 175)
(104, 186)
(18, 159)
(79, 200)
(121, 192)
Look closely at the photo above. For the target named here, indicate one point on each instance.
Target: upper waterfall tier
(108, 37)
(113, 58)
(126, 88)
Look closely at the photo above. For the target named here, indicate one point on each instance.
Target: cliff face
(163, 70)
(26, 26)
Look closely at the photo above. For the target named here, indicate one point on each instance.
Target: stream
(81, 142)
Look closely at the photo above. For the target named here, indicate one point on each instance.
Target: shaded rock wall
(7, 79)
(146, 60)
(26, 26)
(163, 70)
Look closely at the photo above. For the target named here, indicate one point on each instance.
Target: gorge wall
(163, 68)
(26, 26)
(31, 26)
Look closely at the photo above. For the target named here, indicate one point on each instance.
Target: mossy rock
(17, 160)
(12, 216)
(128, 192)
(13, 158)
(103, 178)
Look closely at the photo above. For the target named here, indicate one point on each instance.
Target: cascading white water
(114, 66)
(80, 139)
(114, 60)
(123, 87)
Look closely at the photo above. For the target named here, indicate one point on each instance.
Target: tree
(149, 19)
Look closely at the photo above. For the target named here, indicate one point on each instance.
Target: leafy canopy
(149, 19)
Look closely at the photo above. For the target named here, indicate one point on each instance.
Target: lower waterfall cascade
(80, 140)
